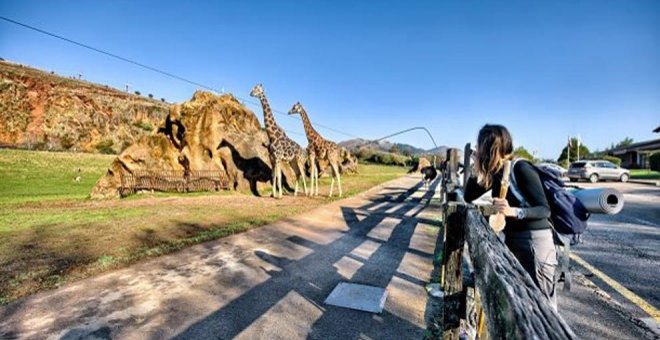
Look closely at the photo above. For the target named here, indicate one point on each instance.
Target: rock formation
(209, 132)
(44, 111)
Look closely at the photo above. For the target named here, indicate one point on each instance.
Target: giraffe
(320, 148)
(281, 148)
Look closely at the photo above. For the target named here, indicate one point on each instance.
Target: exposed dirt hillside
(39, 110)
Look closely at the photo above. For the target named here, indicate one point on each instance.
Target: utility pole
(568, 155)
(578, 147)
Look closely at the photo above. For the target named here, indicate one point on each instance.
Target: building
(636, 156)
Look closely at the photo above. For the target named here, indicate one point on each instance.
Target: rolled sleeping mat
(601, 201)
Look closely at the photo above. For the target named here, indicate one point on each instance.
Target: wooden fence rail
(514, 308)
(172, 180)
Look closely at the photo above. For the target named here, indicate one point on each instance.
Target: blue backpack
(569, 216)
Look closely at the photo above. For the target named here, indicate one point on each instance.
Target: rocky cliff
(40, 110)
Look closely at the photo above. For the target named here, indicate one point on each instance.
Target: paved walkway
(267, 283)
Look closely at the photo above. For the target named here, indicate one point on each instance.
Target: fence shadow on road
(315, 275)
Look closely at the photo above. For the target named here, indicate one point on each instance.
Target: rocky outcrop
(44, 111)
(209, 132)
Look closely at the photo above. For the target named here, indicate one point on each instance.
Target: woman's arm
(473, 190)
(530, 186)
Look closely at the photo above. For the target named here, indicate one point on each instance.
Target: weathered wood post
(454, 241)
(514, 307)
(466, 164)
(454, 299)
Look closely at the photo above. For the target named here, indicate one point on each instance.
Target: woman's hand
(502, 206)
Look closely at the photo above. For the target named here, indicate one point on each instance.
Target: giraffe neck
(269, 120)
(312, 135)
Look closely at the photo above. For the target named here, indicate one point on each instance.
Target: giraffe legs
(316, 180)
(314, 177)
(335, 174)
(279, 180)
(274, 179)
(301, 171)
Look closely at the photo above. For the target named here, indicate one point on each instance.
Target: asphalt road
(619, 251)
(267, 283)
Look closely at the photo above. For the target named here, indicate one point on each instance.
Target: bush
(615, 160)
(654, 161)
(106, 147)
(146, 126)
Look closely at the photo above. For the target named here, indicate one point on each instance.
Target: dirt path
(267, 283)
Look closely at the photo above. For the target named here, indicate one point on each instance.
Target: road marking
(634, 298)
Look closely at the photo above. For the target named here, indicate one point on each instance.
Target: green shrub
(146, 126)
(105, 147)
(654, 161)
(615, 160)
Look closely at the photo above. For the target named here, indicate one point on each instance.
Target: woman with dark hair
(528, 232)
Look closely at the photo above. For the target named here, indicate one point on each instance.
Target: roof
(641, 146)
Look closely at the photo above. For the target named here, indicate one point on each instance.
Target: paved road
(267, 283)
(625, 249)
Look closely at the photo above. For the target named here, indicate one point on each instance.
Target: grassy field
(50, 233)
(644, 174)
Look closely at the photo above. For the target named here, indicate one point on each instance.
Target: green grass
(29, 176)
(51, 233)
(644, 174)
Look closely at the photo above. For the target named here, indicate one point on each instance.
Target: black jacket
(537, 212)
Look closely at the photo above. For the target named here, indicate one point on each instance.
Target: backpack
(568, 215)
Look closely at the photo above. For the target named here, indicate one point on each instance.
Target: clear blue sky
(545, 69)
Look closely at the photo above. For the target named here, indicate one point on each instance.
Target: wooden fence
(508, 303)
(172, 180)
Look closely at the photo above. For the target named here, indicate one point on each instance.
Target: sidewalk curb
(655, 183)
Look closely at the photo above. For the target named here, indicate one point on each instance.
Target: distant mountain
(383, 145)
(353, 144)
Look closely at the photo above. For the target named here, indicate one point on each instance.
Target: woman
(528, 232)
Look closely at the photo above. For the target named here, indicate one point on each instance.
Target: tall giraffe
(281, 148)
(320, 148)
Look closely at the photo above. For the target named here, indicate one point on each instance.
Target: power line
(165, 73)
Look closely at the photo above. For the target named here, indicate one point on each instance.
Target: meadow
(51, 233)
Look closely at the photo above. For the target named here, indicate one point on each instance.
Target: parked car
(597, 170)
(561, 172)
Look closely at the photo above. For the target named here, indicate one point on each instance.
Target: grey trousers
(535, 250)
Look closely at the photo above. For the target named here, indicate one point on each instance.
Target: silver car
(597, 170)
(559, 171)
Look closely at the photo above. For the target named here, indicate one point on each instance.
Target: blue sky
(544, 69)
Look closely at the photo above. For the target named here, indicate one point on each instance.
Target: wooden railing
(172, 180)
(508, 305)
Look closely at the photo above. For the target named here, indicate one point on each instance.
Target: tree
(151, 96)
(612, 159)
(137, 93)
(394, 149)
(584, 151)
(654, 161)
(625, 142)
(521, 152)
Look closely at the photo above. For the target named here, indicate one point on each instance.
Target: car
(561, 172)
(597, 170)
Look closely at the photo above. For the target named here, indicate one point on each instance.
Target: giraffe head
(257, 91)
(297, 108)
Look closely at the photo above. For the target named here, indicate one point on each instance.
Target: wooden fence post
(454, 299)
(466, 164)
